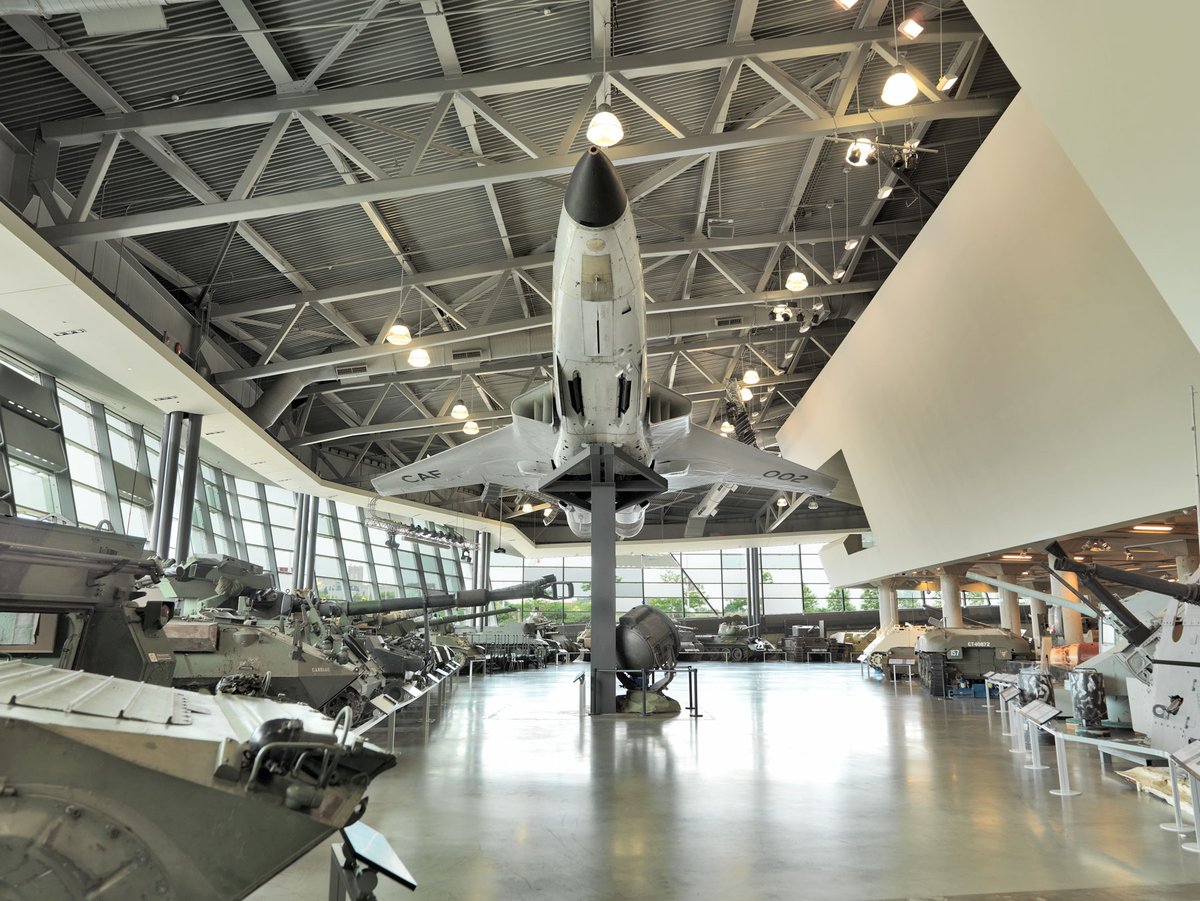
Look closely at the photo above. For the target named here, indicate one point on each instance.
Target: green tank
(116, 790)
(948, 656)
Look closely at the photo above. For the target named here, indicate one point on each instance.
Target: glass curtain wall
(112, 465)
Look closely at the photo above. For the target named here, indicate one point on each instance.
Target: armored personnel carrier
(895, 643)
(118, 790)
(949, 656)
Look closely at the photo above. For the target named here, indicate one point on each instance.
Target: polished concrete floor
(800, 782)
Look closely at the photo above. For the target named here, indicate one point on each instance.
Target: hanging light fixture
(796, 282)
(813, 505)
(605, 128)
(470, 427)
(750, 376)
(527, 507)
(851, 243)
(861, 152)
(946, 82)
(399, 334)
(781, 501)
(900, 88)
(459, 411)
(884, 192)
(846, 4)
(746, 394)
(839, 273)
(726, 427)
(418, 358)
(911, 28)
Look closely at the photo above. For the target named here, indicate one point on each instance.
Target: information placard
(1009, 695)
(1188, 757)
(1041, 712)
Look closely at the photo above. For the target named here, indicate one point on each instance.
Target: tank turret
(546, 588)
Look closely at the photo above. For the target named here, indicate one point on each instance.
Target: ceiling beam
(428, 91)
(498, 173)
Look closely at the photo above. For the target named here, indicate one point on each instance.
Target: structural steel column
(187, 488)
(952, 610)
(299, 542)
(1072, 620)
(310, 538)
(604, 594)
(1010, 611)
(169, 452)
(889, 612)
(160, 482)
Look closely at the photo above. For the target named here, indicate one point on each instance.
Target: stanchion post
(1035, 746)
(1004, 728)
(987, 695)
(1064, 777)
(1176, 825)
(1018, 733)
(1194, 847)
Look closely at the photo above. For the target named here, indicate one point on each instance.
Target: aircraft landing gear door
(596, 289)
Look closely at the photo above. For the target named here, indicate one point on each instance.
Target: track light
(911, 28)
(470, 427)
(750, 377)
(605, 128)
(861, 152)
(726, 427)
(418, 358)
(796, 282)
(459, 411)
(746, 394)
(900, 88)
(399, 334)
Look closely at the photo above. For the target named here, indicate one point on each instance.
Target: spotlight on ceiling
(466, 556)
(813, 505)
(399, 334)
(911, 28)
(900, 88)
(861, 152)
(418, 358)
(796, 282)
(459, 411)
(470, 427)
(605, 128)
(781, 312)
(851, 243)
(781, 501)
(750, 376)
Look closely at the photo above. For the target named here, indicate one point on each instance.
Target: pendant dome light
(796, 282)
(726, 427)
(746, 394)
(470, 427)
(605, 129)
(900, 88)
(418, 358)
(459, 411)
(750, 377)
(399, 334)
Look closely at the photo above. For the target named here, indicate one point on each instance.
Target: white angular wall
(1017, 377)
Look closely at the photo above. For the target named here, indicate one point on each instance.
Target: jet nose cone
(595, 196)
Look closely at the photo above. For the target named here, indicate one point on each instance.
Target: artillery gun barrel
(439, 621)
(1090, 574)
(545, 587)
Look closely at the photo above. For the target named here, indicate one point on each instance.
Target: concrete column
(952, 610)
(1010, 611)
(1185, 566)
(889, 612)
(1072, 619)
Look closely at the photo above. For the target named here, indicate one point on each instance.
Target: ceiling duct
(100, 17)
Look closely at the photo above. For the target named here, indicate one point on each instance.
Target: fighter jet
(600, 392)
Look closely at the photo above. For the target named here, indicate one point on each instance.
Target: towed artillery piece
(1147, 678)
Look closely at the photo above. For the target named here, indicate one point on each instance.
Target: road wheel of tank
(738, 653)
(347, 698)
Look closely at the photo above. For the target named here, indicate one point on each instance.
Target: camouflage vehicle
(949, 656)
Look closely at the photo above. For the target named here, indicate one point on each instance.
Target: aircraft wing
(692, 457)
(516, 456)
